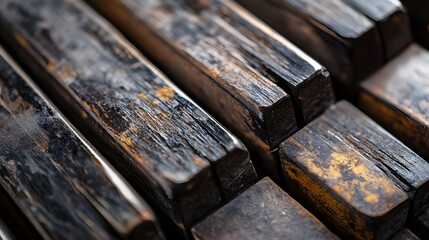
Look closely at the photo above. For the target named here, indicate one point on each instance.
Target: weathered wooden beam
(391, 20)
(405, 234)
(345, 41)
(264, 211)
(247, 75)
(354, 173)
(397, 96)
(169, 148)
(55, 178)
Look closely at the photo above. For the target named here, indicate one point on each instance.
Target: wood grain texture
(405, 234)
(62, 185)
(391, 20)
(397, 96)
(169, 147)
(343, 40)
(264, 211)
(355, 173)
(242, 71)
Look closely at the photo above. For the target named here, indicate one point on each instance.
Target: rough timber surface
(169, 147)
(343, 40)
(391, 20)
(397, 96)
(362, 179)
(264, 211)
(247, 75)
(56, 179)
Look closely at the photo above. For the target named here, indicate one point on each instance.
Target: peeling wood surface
(405, 234)
(355, 173)
(247, 75)
(343, 40)
(397, 96)
(56, 179)
(391, 20)
(264, 211)
(169, 147)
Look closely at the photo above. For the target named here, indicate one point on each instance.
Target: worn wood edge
(263, 181)
(304, 18)
(383, 112)
(118, 181)
(259, 149)
(177, 215)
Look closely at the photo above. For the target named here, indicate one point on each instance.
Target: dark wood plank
(355, 173)
(239, 69)
(405, 234)
(264, 211)
(391, 20)
(343, 40)
(62, 185)
(397, 96)
(160, 139)
(5, 233)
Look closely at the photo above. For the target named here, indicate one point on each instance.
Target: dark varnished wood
(264, 211)
(405, 234)
(391, 20)
(61, 184)
(355, 174)
(239, 69)
(342, 39)
(170, 148)
(397, 96)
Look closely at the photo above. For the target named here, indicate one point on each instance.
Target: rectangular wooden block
(397, 96)
(349, 169)
(345, 41)
(264, 211)
(171, 149)
(405, 234)
(391, 20)
(55, 178)
(248, 76)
